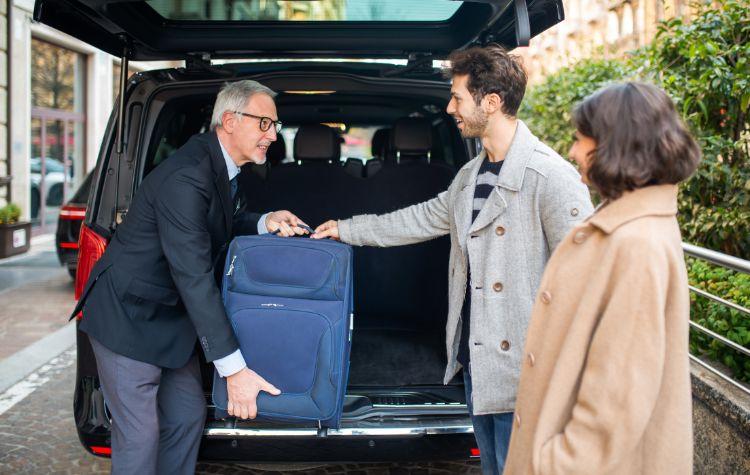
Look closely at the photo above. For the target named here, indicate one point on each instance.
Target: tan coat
(605, 386)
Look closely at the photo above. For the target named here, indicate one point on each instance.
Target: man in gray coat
(506, 210)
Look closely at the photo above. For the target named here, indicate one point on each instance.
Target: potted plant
(15, 235)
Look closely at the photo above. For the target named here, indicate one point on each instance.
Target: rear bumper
(401, 439)
(396, 429)
(381, 442)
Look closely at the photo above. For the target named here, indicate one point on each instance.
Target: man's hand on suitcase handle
(286, 224)
(329, 229)
(305, 227)
(243, 388)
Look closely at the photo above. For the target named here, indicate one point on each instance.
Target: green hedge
(729, 285)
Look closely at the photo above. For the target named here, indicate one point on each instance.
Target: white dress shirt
(234, 362)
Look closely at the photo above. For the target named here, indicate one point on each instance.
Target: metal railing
(728, 262)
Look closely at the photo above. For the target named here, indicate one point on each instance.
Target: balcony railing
(728, 262)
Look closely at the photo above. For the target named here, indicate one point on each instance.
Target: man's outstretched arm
(417, 223)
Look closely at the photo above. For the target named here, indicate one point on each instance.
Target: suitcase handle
(303, 226)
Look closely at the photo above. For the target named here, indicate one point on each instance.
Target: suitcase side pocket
(288, 270)
(292, 349)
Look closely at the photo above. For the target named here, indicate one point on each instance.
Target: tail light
(104, 451)
(75, 215)
(72, 212)
(91, 248)
(474, 453)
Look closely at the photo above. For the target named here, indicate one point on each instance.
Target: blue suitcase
(290, 304)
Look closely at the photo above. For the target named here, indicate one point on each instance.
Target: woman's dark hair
(640, 139)
(491, 70)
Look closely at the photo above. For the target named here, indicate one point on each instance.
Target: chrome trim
(377, 430)
(427, 405)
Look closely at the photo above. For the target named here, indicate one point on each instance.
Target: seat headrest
(317, 142)
(380, 141)
(412, 135)
(276, 151)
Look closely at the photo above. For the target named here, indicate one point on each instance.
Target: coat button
(546, 297)
(579, 237)
(500, 230)
(518, 420)
(531, 358)
(505, 345)
(574, 212)
(497, 287)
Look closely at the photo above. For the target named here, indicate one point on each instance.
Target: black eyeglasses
(264, 122)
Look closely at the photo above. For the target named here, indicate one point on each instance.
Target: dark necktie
(236, 196)
(234, 186)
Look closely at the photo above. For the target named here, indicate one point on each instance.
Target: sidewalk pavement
(34, 290)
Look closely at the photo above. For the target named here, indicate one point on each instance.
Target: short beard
(475, 125)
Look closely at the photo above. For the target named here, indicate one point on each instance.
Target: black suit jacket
(154, 291)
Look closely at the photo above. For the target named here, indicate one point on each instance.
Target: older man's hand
(286, 223)
(243, 388)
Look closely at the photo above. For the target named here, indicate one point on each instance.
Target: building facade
(56, 96)
(604, 28)
(4, 172)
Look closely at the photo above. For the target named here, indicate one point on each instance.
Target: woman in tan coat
(605, 385)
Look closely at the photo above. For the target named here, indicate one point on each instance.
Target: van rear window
(308, 11)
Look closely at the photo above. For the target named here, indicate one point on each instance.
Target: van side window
(177, 122)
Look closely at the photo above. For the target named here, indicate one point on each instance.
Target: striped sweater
(486, 182)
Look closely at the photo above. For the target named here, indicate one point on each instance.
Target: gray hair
(234, 96)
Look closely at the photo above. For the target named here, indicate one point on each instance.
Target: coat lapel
(511, 176)
(465, 201)
(493, 207)
(221, 180)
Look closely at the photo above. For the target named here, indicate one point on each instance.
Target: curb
(22, 363)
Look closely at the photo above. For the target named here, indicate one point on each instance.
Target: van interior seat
(276, 152)
(317, 143)
(411, 139)
(421, 268)
(380, 143)
(354, 167)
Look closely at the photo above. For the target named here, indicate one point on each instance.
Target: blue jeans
(492, 432)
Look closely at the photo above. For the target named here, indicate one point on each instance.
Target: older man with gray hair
(153, 294)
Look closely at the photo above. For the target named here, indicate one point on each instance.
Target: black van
(388, 144)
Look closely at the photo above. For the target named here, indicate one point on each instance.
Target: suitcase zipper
(231, 266)
(351, 326)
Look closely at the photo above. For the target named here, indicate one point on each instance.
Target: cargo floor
(396, 357)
